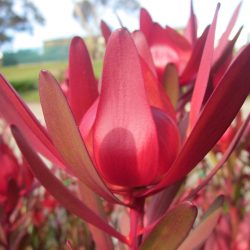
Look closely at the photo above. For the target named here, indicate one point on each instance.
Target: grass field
(24, 77)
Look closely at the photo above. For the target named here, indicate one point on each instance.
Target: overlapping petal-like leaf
(203, 74)
(82, 81)
(15, 111)
(106, 32)
(172, 229)
(125, 140)
(59, 191)
(191, 29)
(216, 116)
(66, 135)
(198, 236)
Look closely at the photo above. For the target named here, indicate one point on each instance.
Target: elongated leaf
(168, 47)
(146, 22)
(172, 229)
(217, 115)
(191, 29)
(106, 32)
(193, 63)
(198, 236)
(160, 203)
(156, 95)
(82, 83)
(143, 49)
(15, 111)
(58, 190)
(220, 66)
(203, 74)
(93, 201)
(225, 37)
(66, 136)
(222, 161)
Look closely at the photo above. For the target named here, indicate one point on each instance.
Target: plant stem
(136, 223)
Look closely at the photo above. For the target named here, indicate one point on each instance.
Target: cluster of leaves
(29, 215)
(128, 140)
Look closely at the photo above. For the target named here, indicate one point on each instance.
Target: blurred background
(35, 34)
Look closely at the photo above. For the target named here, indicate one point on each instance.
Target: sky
(60, 22)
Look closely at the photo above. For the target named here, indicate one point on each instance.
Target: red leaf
(106, 32)
(172, 229)
(220, 66)
(222, 161)
(66, 136)
(93, 201)
(143, 49)
(15, 111)
(225, 37)
(125, 139)
(155, 92)
(82, 83)
(198, 236)
(191, 29)
(145, 22)
(215, 118)
(203, 74)
(168, 47)
(160, 202)
(59, 191)
(193, 63)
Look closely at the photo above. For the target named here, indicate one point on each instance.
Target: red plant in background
(126, 140)
(15, 178)
(170, 49)
(16, 182)
(185, 52)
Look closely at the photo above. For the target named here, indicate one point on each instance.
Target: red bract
(169, 47)
(8, 175)
(166, 45)
(15, 178)
(131, 134)
(128, 133)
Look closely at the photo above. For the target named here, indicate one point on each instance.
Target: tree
(17, 15)
(88, 12)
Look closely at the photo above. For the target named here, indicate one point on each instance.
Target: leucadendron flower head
(132, 141)
(124, 139)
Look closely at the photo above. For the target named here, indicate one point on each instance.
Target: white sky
(60, 22)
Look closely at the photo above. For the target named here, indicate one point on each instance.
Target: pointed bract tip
(121, 32)
(76, 39)
(45, 75)
(218, 6)
(145, 12)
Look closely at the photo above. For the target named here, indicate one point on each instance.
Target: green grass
(24, 78)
